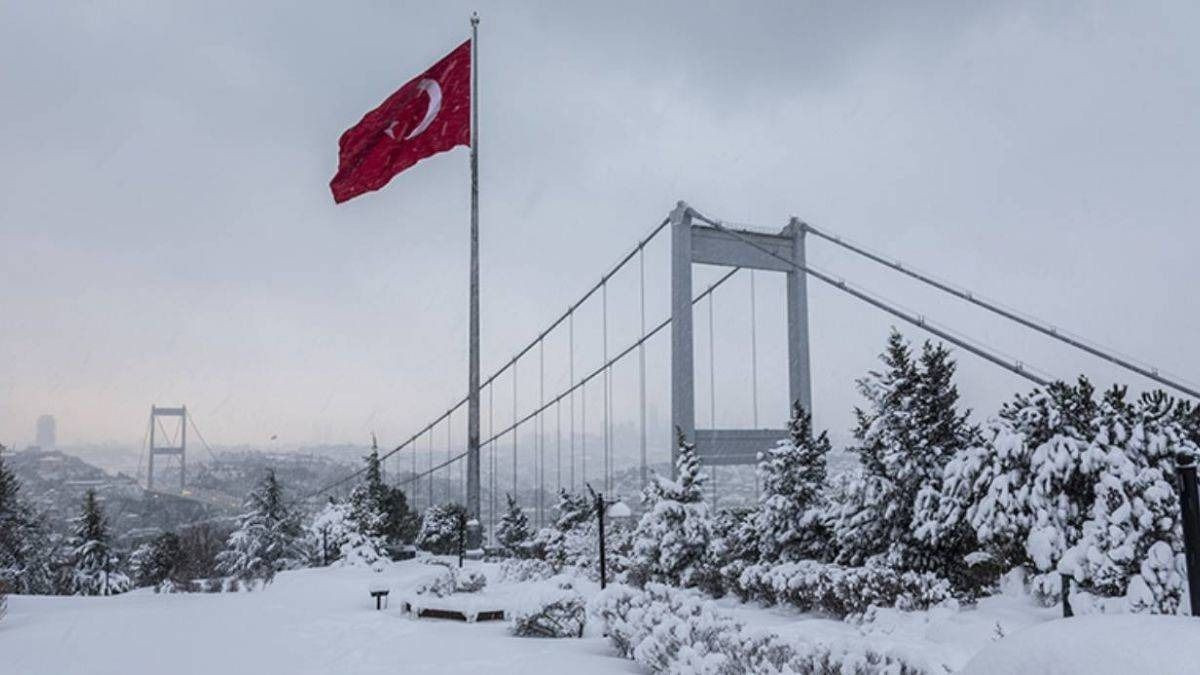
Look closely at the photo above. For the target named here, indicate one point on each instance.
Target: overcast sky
(167, 233)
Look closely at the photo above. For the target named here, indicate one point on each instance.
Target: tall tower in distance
(46, 438)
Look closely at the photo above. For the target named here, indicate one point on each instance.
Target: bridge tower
(698, 243)
(180, 450)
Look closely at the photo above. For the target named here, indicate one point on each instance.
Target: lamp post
(615, 509)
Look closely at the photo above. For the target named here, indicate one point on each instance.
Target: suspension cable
(1013, 315)
(571, 376)
(712, 392)
(604, 389)
(1017, 367)
(598, 371)
(541, 432)
(568, 314)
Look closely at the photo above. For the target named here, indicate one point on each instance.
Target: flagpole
(473, 501)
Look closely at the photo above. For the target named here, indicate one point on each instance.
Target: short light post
(615, 509)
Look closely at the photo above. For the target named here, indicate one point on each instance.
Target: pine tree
(441, 528)
(909, 431)
(792, 475)
(95, 568)
(26, 551)
(571, 540)
(268, 539)
(513, 531)
(381, 510)
(157, 561)
(673, 535)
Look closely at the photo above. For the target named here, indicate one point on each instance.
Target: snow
(316, 621)
(1097, 645)
(323, 621)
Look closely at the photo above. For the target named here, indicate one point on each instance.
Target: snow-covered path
(318, 621)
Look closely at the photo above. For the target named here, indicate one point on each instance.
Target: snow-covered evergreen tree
(909, 431)
(441, 528)
(512, 532)
(1070, 484)
(572, 540)
(95, 567)
(26, 552)
(792, 475)
(338, 537)
(268, 538)
(157, 561)
(672, 537)
(381, 510)
(734, 546)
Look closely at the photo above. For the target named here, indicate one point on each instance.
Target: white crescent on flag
(432, 88)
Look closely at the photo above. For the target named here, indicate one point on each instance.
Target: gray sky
(167, 234)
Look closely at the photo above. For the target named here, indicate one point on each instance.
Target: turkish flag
(430, 114)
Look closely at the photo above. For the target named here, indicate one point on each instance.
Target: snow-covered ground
(323, 621)
(317, 621)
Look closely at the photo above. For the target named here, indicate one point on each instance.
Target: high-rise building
(46, 432)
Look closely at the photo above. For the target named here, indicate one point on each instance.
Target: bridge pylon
(176, 450)
(693, 242)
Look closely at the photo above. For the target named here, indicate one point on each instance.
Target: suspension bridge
(519, 451)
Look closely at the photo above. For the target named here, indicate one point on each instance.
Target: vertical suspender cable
(571, 375)
(642, 366)
(449, 458)
(754, 366)
(558, 444)
(712, 393)
(492, 461)
(514, 432)
(430, 467)
(541, 432)
(604, 392)
(583, 433)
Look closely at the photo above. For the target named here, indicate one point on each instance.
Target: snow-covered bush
(1069, 484)
(842, 591)
(469, 581)
(672, 537)
(513, 533)
(268, 539)
(441, 528)
(450, 580)
(559, 615)
(516, 570)
(671, 631)
(95, 568)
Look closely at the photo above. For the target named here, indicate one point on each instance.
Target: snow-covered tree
(734, 546)
(792, 475)
(571, 541)
(26, 552)
(672, 537)
(512, 532)
(380, 509)
(95, 567)
(1070, 484)
(268, 538)
(442, 528)
(908, 432)
(157, 561)
(338, 537)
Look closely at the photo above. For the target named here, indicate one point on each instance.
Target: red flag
(430, 114)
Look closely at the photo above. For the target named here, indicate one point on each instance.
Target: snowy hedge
(671, 631)
(517, 570)
(561, 614)
(841, 591)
